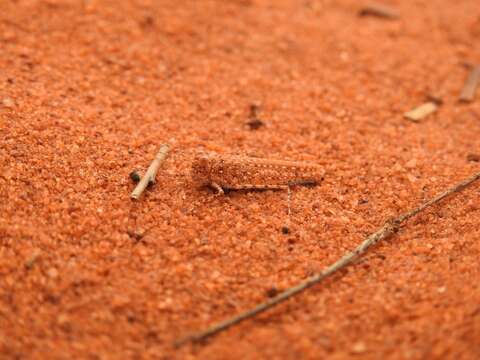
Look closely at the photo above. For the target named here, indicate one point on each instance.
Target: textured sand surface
(90, 89)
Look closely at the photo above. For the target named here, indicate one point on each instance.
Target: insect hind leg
(307, 183)
(258, 187)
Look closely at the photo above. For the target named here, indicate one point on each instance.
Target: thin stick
(471, 84)
(149, 177)
(388, 228)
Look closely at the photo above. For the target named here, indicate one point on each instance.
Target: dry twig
(149, 177)
(388, 228)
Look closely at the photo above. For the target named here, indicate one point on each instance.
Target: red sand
(90, 89)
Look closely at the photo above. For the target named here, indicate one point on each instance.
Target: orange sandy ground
(90, 89)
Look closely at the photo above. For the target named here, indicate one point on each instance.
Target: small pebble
(411, 164)
(137, 235)
(7, 102)
(255, 124)
(359, 347)
(134, 176)
(272, 292)
(52, 273)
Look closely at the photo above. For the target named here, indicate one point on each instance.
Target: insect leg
(289, 202)
(286, 227)
(218, 188)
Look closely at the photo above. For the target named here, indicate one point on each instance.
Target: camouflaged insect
(236, 172)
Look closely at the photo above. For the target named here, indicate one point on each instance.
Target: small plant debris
(136, 235)
(471, 84)
(473, 157)
(421, 111)
(380, 11)
(254, 122)
(435, 98)
(32, 259)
